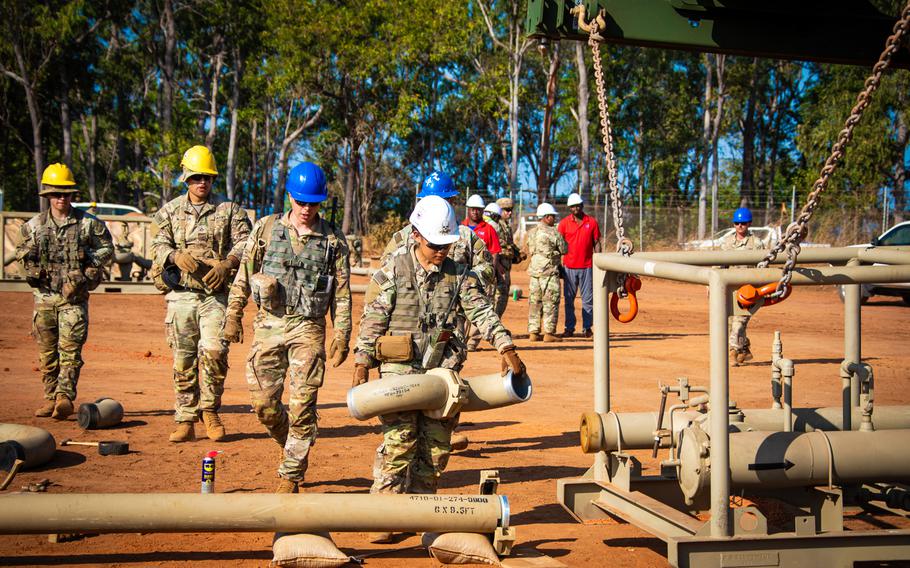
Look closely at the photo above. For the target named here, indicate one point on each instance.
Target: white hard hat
(574, 199)
(475, 201)
(434, 218)
(545, 209)
(493, 208)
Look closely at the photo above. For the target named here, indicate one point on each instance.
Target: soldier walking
(510, 254)
(296, 265)
(407, 301)
(546, 246)
(740, 239)
(64, 252)
(199, 244)
(486, 233)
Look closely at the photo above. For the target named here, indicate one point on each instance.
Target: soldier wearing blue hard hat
(438, 183)
(740, 239)
(306, 183)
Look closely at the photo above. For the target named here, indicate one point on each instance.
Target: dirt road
(532, 444)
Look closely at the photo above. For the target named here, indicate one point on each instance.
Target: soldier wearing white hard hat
(546, 246)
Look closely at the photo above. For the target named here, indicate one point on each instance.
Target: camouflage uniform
(738, 340)
(404, 298)
(195, 314)
(508, 255)
(57, 256)
(313, 272)
(545, 246)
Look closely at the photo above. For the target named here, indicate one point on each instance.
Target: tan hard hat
(505, 202)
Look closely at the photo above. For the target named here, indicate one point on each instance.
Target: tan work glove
(91, 273)
(233, 329)
(216, 277)
(361, 375)
(338, 351)
(186, 262)
(511, 361)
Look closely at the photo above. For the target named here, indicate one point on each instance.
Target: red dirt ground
(531, 445)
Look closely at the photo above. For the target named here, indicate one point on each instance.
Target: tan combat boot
(214, 429)
(380, 537)
(185, 432)
(745, 355)
(534, 336)
(62, 408)
(550, 338)
(734, 357)
(45, 409)
(287, 486)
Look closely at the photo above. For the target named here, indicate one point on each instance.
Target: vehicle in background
(896, 236)
(96, 208)
(768, 235)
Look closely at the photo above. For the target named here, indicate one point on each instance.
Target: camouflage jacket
(381, 306)
(54, 254)
(751, 242)
(468, 247)
(254, 252)
(218, 231)
(510, 252)
(546, 246)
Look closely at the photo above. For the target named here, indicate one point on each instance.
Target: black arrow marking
(786, 464)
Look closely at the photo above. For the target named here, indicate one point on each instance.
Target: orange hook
(748, 295)
(631, 285)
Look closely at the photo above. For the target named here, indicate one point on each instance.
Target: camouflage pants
(501, 296)
(738, 339)
(60, 329)
(543, 303)
(414, 452)
(194, 323)
(292, 346)
(473, 333)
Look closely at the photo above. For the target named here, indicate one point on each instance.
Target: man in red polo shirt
(488, 235)
(583, 235)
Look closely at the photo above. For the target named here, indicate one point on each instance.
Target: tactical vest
(56, 256)
(306, 281)
(421, 312)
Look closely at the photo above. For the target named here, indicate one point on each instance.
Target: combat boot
(734, 358)
(45, 409)
(214, 429)
(62, 408)
(745, 354)
(380, 537)
(185, 432)
(287, 486)
(534, 336)
(459, 442)
(550, 338)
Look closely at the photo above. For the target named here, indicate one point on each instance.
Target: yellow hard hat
(60, 177)
(198, 160)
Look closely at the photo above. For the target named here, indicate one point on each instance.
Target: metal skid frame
(615, 487)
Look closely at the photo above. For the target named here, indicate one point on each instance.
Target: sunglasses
(58, 195)
(742, 224)
(506, 209)
(306, 203)
(197, 179)
(431, 246)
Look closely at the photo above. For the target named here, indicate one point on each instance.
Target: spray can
(208, 472)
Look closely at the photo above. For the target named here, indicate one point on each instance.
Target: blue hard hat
(438, 183)
(742, 215)
(306, 183)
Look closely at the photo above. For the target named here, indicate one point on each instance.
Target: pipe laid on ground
(438, 390)
(103, 413)
(34, 446)
(32, 513)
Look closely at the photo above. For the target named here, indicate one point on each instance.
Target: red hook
(631, 285)
(748, 295)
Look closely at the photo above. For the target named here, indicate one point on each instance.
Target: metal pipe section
(103, 413)
(234, 512)
(786, 369)
(719, 302)
(777, 351)
(852, 343)
(601, 359)
(833, 255)
(34, 446)
(487, 392)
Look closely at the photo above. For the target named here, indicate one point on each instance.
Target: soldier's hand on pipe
(361, 375)
(338, 351)
(233, 329)
(215, 277)
(511, 361)
(186, 262)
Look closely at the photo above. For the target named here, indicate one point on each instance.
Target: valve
(748, 295)
(631, 285)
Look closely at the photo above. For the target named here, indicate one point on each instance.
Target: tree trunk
(217, 62)
(352, 147)
(230, 178)
(747, 183)
(706, 138)
(34, 114)
(89, 131)
(900, 167)
(168, 70)
(584, 177)
(719, 61)
(543, 176)
(66, 121)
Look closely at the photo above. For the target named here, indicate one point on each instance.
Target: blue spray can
(208, 472)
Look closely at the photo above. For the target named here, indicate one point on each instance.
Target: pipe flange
(694, 469)
(457, 394)
(591, 432)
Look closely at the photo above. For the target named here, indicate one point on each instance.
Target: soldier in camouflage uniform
(64, 252)
(740, 239)
(407, 300)
(510, 253)
(296, 266)
(204, 239)
(546, 247)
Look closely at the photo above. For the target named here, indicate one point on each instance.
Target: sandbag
(461, 548)
(306, 551)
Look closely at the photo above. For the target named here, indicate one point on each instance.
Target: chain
(797, 230)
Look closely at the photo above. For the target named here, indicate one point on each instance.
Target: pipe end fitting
(591, 433)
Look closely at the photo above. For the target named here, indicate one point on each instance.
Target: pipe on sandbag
(34, 446)
(103, 413)
(34, 513)
(601, 432)
(440, 393)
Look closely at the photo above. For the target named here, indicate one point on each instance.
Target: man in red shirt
(583, 235)
(486, 233)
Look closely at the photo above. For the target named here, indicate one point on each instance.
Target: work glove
(216, 277)
(233, 329)
(511, 361)
(361, 375)
(338, 351)
(91, 273)
(186, 262)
